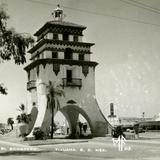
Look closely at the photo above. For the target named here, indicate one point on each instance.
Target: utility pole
(143, 113)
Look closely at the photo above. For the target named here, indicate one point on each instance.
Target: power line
(96, 13)
(146, 5)
(40, 2)
(141, 5)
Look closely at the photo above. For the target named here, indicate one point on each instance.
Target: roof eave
(50, 41)
(59, 61)
(49, 24)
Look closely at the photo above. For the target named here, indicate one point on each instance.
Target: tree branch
(3, 90)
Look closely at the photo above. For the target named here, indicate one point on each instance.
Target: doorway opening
(83, 126)
(61, 126)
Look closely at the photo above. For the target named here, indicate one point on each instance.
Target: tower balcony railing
(31, 84)
(73, 82)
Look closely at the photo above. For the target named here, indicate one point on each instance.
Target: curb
(21, 152)
(54, 143)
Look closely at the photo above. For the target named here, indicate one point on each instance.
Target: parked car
(59, 132)
(2, 131)
(141, 130)
(7, 130)
(130, 130)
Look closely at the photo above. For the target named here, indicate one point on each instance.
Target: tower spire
(58, 13)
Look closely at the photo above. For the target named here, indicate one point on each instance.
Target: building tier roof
(45, 41)
(59, 23)
(59, 61)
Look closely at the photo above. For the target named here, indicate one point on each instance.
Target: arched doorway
(61, 125)
(78, 120)
(84, 126)
(63, 129)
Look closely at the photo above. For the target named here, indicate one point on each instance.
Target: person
(136, 129)
(67, 130)
(80, 127)
(77, 130)
(85, 127)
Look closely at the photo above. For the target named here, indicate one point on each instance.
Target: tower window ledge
(73, 82)
(31, 84)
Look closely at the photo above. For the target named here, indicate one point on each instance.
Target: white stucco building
(61, 56)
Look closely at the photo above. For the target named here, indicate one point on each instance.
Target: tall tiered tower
(61, 56)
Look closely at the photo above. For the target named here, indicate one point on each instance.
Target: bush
(24, 118)
(118, 131)
(38, 133)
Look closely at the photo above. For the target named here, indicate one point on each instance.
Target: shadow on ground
(22, 153)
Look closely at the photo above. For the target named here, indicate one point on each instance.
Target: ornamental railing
(73, 82)
(31, 84)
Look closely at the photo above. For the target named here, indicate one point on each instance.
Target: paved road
(93, 150)
(101, 150)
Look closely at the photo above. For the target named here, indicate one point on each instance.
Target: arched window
(54, 54)
(68, 53)
(81, 57)
(65, 36)
(55, 36)
(75, 38)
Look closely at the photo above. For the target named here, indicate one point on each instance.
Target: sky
(127, 49)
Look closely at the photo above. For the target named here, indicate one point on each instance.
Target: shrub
(118, 131)
(24, 118)
(38, 133)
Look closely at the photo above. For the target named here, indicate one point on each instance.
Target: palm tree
(21, 108)
(54, 91)
(10, 122)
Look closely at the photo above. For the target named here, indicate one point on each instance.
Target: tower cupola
(58, 13)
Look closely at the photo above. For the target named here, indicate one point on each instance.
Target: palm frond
(54, 91)
(59, 92)
(3, 90)
(21, 107)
